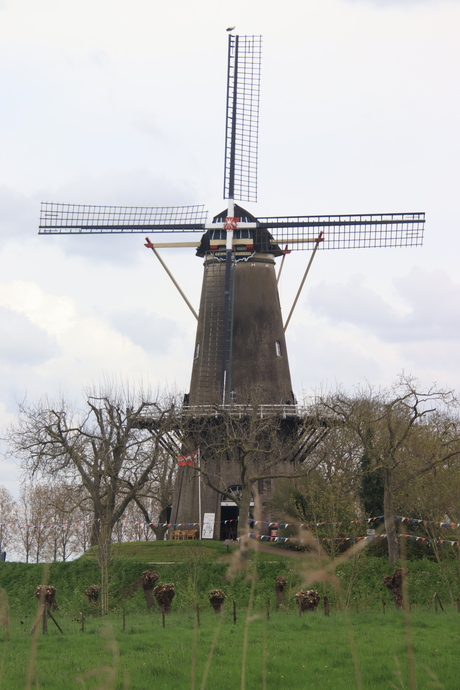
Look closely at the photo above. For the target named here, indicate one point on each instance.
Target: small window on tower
(278, 348)
(197, 350)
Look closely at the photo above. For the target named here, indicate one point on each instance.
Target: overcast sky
(109, 102)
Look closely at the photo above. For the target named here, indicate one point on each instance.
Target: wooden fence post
(436, 601)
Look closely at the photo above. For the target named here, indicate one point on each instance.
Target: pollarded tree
(404, 432)
(106, 446)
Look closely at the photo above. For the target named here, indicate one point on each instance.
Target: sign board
(207, 531)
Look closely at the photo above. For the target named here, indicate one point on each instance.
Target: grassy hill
(197, 567)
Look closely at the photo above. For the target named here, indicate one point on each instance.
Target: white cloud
(22, 342)
(110, 104)
(153, 333)
(431, 299)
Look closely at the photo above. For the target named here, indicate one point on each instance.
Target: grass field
(362, 644)
(354, 650)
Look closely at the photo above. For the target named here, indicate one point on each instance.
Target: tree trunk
(159, 532)
(243, 522)
(103, 556)
(243, 512)
(390, 523)
(95, 530)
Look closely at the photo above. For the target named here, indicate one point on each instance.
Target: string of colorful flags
(252, 523)
(282, 540)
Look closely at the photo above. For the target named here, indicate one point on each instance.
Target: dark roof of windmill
(262, 239)
(241, 213)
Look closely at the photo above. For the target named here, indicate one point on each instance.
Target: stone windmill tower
(240, 353)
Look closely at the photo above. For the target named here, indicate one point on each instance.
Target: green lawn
(366, 649)
(357, 646)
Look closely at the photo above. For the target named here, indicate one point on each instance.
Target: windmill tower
(240, 351)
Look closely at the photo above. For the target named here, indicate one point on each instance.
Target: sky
(105, 102)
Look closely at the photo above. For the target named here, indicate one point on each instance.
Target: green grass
(162, 551)
(196, 567)
(358, 646)
(286, 651)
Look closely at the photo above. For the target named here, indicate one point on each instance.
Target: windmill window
(197, 351)
(278, 348)
(237, 491)
(218, 234)
(243, 234)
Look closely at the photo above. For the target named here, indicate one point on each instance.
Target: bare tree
(107, 446)
(64, 509)
(33, 517)
(327, 498)
(134, 526)
(8, 520)
(405, 430)
(155, 497)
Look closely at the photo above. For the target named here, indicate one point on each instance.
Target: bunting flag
(252, 523)
(192, 459)
(368, 538)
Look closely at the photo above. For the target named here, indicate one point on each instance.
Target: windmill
(240, 347)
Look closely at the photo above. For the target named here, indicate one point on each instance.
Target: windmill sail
(77, 219)
(242, 130)
(299, 232)
(348, 232)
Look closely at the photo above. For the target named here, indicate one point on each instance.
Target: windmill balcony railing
(233, 410)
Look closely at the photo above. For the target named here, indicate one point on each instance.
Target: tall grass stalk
(264, 656)
(354, 652)
(4, 623)
(211, 652)
(31, 672)
(110, 672)
(248, 619)
(194, 653)
(407, 625)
